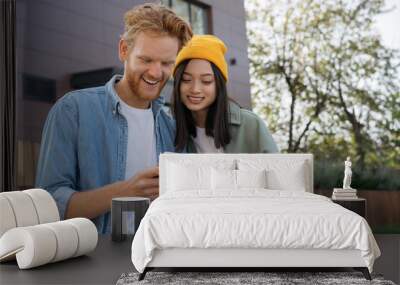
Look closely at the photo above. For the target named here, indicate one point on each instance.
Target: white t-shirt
(204, 143)
(141, 147)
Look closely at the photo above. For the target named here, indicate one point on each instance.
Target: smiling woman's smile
(195, 99)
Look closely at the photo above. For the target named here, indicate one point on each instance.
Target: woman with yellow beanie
(207, 120)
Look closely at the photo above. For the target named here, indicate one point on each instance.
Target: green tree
(322, 78)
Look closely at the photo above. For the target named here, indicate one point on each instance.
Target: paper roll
(87, 235)
(67, 240)
(24, 210)
(45, 205)
(40, 244)
(33, 246)
(7, 218)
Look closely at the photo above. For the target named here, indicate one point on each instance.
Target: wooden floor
(389, 262)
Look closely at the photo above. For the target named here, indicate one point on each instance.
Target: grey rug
(273, 278)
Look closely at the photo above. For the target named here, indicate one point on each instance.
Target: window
(197, 14)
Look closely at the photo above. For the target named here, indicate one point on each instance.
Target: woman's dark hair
(217, 121)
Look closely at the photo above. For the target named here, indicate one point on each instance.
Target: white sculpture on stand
(347, 174)
(346, 192)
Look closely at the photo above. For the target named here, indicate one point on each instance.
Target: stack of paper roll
(31, 231)
(344, 194)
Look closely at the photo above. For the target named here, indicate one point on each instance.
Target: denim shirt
(84, 144)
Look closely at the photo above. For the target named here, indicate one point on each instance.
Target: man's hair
(217, 121)
(158, 19)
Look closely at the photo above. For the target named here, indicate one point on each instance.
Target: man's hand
(143, 184)
(91, 204)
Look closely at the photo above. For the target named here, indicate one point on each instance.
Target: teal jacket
(249, 134)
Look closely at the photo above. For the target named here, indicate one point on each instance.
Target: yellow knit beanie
(206, 47)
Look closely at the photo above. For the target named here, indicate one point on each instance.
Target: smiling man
(104, 142)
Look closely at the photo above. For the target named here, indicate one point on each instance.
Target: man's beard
(134, 86)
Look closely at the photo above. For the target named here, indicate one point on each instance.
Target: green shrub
(329, 174)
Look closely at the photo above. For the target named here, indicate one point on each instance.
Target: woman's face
(197, 86)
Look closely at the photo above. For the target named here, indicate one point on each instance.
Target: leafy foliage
(324, 81)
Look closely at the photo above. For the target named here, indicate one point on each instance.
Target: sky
(388, 25)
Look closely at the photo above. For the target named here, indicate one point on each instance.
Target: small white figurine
(347, 174)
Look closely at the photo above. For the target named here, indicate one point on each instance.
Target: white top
(141, 147)
(204, 143)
